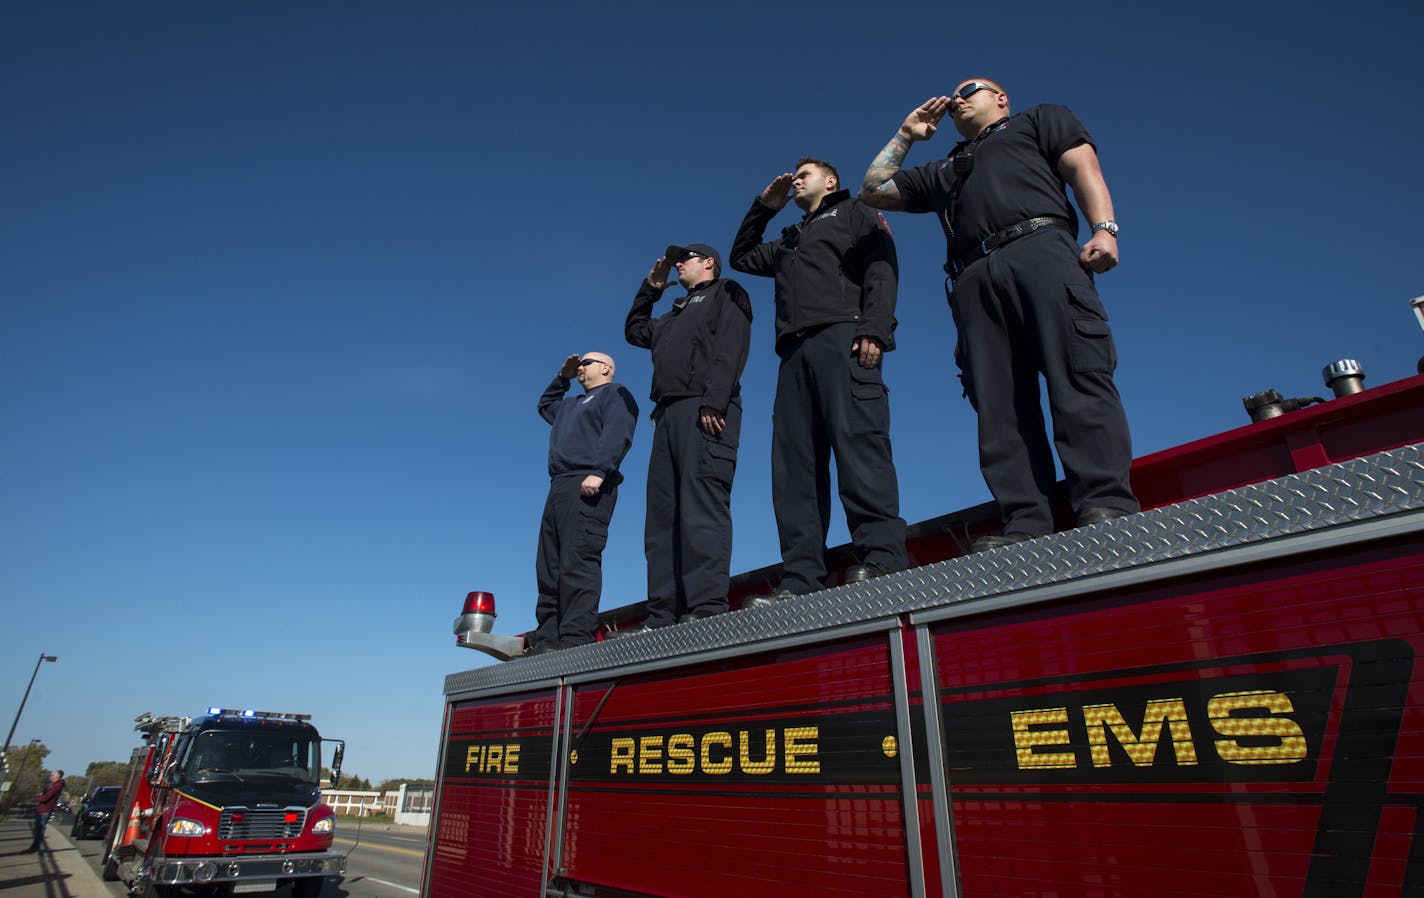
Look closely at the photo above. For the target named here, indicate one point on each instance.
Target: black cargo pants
(1026, 309)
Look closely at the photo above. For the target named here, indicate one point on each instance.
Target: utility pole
(4, 754)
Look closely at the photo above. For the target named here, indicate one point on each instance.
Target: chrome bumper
(198, 870)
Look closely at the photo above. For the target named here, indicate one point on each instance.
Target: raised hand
(778, 192)
(658, 274)
(924, 121)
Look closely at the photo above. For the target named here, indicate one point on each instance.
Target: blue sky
(282, 283)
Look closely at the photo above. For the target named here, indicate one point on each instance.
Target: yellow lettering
(1026, 740)
(680, 756)
(716, 739)
(620, 754)
(768, 760)
(650, 754)
(1142, 749)
(1289, 746)
(511, 758)
(795, 749)
(472, 757)
(494, 758)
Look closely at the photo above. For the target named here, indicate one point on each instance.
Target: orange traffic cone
(131, 833)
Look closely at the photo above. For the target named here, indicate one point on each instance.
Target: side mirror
(336, 757)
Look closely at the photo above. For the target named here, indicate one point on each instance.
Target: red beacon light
(474, 629)
(480, 603)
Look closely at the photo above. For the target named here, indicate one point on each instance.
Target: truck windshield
(218, 755)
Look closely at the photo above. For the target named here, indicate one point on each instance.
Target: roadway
(386, 864)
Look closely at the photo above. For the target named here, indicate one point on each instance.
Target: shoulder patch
(739, 298)
(743, 303)
(883, 223)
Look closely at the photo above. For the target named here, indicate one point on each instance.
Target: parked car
(92, 820)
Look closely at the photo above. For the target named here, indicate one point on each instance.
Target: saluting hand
(869, 350)
(924, 121)
(570, 368)
(778, 192)
(1099, 254)
(658, 275)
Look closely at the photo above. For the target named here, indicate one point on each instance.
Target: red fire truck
(1220, 696)
(224, 803)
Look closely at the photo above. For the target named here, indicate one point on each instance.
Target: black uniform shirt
(1014, 177)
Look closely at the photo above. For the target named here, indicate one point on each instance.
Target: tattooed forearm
(877, 189)
(885, 165)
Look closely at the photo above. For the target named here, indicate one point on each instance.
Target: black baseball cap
(675, 253)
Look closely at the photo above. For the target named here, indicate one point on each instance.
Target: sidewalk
(60, 872)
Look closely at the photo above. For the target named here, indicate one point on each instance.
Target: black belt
(1010, 234)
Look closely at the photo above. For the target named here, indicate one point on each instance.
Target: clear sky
(281, 282)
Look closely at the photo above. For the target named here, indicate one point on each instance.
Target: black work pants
(827, 403)
(688, 534)
(569, 563)
(1026, 309)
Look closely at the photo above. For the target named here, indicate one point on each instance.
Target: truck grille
(263, 823)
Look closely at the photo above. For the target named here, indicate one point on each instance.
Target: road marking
(394, 885)
(380, 847)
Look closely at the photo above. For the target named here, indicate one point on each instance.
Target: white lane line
(394, 885)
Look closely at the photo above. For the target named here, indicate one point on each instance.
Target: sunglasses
(973, 88)
(583, 363)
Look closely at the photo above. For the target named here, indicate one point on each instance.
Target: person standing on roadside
(44, 806)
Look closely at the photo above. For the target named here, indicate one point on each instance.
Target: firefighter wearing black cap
(590, 435)
(836, 278)
(699, 349)
(1023, 298)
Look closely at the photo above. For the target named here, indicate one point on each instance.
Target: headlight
(325, 825)
(181, 827)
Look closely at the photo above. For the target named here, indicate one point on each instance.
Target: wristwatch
(1110, 226)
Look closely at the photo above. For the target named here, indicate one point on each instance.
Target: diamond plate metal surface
(1362, 489)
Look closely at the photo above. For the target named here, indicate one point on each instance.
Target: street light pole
(11, 734)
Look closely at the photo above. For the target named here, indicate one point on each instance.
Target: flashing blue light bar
(250, 714)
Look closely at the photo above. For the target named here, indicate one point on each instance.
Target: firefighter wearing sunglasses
(1022, 294)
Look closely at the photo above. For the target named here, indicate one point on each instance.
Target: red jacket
(46, 800)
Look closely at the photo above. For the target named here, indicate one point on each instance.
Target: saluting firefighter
(590, 435)
(836, 277)
(699, 348)
(1023, 298)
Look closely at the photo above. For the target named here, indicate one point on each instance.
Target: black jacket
(837, 264)
(699, 345)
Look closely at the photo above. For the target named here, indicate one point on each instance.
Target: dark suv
(93, 818)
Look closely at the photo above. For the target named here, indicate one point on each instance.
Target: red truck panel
(760, 778)
(1257, 734)
(490, 836)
